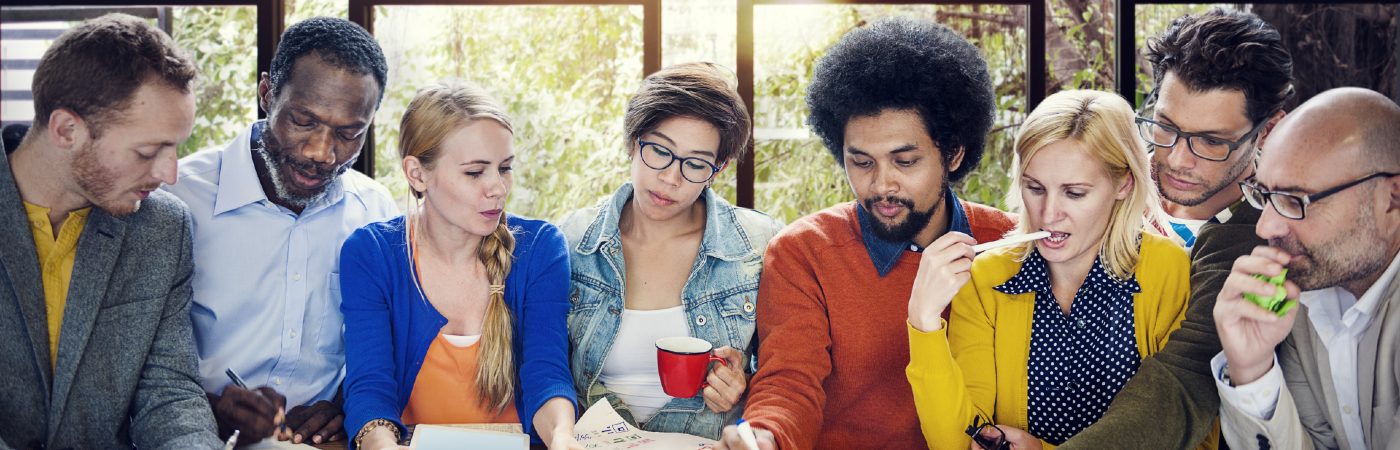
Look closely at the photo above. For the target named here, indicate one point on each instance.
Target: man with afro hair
(904, 105)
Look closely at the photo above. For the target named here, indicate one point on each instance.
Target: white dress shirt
(266, 286)
(1340, 320)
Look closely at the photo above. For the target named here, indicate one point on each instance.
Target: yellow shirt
(976, 365)
(56, 257)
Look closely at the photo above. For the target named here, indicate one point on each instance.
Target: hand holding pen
(745, 436)
(256, 414)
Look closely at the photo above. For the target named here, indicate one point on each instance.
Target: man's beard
(278, 162)
(99, 182)
(1347, 257)
(914, 222)
(1225, 182)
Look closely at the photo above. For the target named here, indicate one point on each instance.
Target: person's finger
(277, 399)
(715, 400)
(1251, 312)
(327, 433)
(1291, 290)
(1258, 264)
(1274, 254)
(728, 439)
(310, 426)
(321, 414)
(252, 403)
(297, 415)
(734, 356)
(960, 265)
(716, 381)
(949, 239)
(1242, 283)
(253, 426)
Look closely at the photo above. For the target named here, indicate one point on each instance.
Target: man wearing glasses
(1222, 79)
(1329, 188)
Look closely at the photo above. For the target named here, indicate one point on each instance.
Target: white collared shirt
(1340, 320)
(266, 286)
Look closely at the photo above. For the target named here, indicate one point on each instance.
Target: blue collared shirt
(266, 285)
(886, 253)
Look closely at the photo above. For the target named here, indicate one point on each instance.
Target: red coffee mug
(683, 362)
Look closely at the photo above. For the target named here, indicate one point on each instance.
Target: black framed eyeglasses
(1295, 206)
(1204, 146)
(987, 435)
(657, 156)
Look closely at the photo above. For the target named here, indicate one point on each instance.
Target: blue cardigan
(389, 325)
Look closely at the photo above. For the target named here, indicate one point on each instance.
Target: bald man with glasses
(1323, 375)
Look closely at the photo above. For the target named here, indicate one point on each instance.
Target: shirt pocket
(737, 311)
(585, 299)
(329, 338)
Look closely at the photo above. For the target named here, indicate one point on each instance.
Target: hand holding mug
(944, 267)
(683, 362)
(1249, 333)
(727, 382)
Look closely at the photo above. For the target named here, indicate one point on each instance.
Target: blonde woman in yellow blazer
(1082, 174)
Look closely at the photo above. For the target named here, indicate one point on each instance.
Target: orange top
(445, 389)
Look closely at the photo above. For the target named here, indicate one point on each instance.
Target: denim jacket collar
(724, 238)
(884, 254)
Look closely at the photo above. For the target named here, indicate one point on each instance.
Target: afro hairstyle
(905, 63)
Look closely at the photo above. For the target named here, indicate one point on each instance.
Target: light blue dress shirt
(266, 285)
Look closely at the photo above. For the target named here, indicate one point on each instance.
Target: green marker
(1278, 303)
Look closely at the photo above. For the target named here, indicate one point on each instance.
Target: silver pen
(232, 440)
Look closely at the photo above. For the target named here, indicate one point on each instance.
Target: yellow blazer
(983, 370)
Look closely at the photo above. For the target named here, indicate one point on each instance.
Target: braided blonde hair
(433, 114)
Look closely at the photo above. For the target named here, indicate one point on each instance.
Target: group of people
(265, 289)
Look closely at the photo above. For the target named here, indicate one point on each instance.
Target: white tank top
(629, 371)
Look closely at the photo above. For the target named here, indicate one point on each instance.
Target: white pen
(1013, 240)
(232, 440)
(746, 435)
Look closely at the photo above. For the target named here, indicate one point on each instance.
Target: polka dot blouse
(1078, 362)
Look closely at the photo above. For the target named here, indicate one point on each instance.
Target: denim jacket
(719, 299)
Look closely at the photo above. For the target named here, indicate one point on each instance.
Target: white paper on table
(274, 444)
(601, 428)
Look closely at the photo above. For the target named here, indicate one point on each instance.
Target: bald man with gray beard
(1326, 374)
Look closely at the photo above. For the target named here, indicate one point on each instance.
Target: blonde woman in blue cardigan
(1042, 335)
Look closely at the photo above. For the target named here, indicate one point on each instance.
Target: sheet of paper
(434, 437)
(274, 444)
(601, 428)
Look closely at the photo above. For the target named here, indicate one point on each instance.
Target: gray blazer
(1308, 415)
(126, 373)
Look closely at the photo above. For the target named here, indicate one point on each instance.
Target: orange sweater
(833, 345)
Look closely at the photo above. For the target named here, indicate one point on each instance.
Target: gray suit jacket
(126, 371)
(1308, 415)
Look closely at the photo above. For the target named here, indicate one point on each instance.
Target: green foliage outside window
(566, 90)
(565, 73)
(219, 39)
